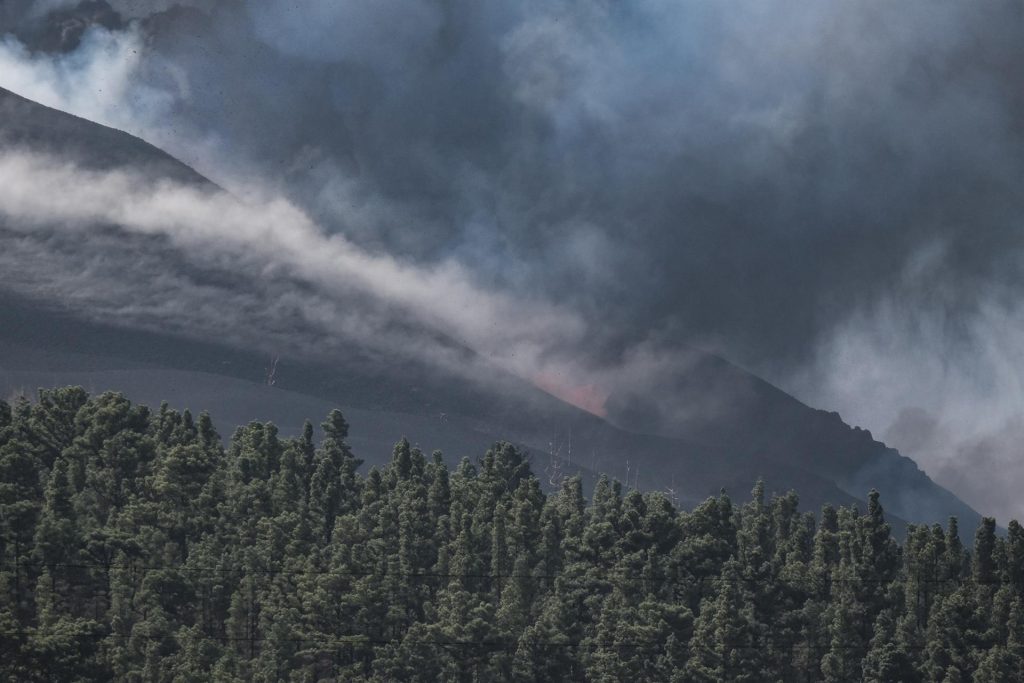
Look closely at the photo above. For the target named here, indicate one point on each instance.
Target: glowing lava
(588, 397)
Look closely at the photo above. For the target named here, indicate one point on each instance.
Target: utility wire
(359, 640)
(610, 574)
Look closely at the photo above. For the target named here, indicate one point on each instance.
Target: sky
(827, 194)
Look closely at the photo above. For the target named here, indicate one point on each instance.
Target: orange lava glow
(588, 397)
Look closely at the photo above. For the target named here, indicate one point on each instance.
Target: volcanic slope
(47, 341)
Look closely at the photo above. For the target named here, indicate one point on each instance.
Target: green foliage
(134, 546)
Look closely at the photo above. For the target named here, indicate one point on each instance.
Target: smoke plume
(828, 194)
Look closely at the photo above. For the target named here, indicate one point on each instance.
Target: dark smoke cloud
(746, 173)
(827, 193)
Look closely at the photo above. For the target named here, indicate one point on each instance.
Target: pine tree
(333, 487)
(984, 563)
(887, 660)
(727, 643)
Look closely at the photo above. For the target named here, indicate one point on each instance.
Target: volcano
(651, 440)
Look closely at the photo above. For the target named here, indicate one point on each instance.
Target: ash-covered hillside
(57, 329)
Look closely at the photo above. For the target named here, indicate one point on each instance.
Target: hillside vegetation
(135, 546)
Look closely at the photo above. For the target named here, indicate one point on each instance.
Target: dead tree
(271, 371)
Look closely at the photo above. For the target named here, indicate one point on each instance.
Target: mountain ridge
(764, 433)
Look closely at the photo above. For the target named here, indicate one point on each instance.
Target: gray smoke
(827, 193)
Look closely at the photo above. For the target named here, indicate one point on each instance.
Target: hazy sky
(829, 194)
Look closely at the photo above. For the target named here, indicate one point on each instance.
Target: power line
(609, 574)
(510, 643)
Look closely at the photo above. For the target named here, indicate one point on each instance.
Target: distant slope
(761, 423)
(149, 368)
(763, 433)
(24, 123)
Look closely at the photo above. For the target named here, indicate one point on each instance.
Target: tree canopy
(136, 546)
